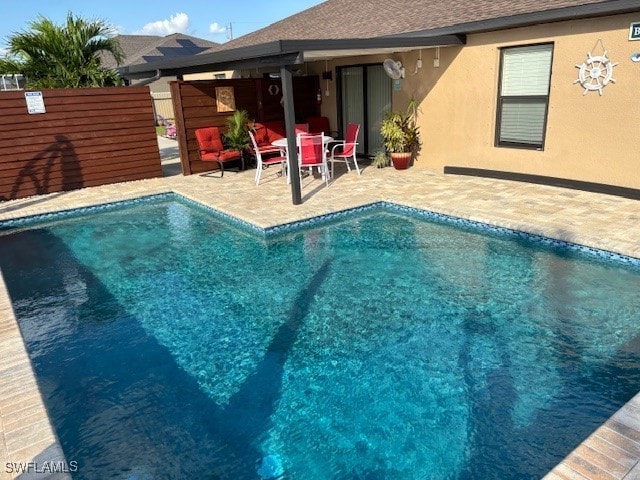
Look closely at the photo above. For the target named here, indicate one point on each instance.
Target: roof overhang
(288, 52)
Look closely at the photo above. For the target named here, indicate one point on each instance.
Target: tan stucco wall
(588, 137)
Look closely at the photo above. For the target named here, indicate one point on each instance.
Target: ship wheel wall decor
(595, 73)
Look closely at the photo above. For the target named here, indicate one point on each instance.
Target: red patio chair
(312, 153)
(212, 149)
(319, 124)
(264, 135)
(302, 128)
(346, 149)
(265, 162)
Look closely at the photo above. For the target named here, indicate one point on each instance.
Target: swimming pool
(170, 343)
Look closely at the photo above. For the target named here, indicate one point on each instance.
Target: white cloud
(178, 23)
(215, 27)
(4, 51)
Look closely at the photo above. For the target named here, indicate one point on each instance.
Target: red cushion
(275, 130)
(261, 134)
(268, 132)
(209, 139)
(273, 160)
(221, 156)
(318, 125)
(269, 149)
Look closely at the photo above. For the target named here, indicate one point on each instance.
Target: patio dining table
(281, 143)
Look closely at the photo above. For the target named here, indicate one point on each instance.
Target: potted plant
(400, 136)
(380, 159)
(237, 135)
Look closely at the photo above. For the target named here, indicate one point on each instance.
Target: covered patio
(287, 57)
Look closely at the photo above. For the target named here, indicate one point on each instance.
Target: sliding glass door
(365, 98)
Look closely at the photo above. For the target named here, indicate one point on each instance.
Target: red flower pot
(400, 160)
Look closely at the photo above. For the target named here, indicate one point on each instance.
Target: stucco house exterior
(542, 91)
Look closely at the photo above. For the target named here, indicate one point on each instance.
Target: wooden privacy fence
(196, 105)
(87, 137)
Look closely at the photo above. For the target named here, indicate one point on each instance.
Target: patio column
(290, 126)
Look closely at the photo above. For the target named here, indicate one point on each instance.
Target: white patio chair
(267, 161)
(345, 150)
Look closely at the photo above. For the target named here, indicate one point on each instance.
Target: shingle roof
(343, 19)
(130, 45)
(139, 49)
(367, 25)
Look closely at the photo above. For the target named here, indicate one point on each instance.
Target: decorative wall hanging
(225, 99)
(274, 89)
(596, 72)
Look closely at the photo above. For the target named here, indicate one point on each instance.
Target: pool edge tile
(25, 442)
(626, 466)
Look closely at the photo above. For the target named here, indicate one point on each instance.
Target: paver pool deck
(601, 221)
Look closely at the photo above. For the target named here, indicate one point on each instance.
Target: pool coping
(29, 447)
(611, 452)
(27, 436)
(13, 224)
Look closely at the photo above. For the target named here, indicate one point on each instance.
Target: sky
(200, 18)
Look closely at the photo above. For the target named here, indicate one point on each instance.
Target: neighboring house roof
(370, 25)
(141, 49)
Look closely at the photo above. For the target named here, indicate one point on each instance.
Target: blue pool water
(171, 344)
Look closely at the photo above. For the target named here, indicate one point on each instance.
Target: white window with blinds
(523, 100)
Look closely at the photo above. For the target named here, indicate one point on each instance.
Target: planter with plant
(400, 136)
(380, 159)
(236, 136)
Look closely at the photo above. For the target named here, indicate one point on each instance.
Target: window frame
(501, 100)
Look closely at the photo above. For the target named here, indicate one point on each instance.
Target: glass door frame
(364, 130)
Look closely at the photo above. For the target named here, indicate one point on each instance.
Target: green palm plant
(237, 134)
(59, 56)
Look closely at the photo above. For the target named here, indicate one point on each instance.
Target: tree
(68, 55)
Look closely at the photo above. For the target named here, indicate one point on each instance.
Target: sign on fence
(35, 102)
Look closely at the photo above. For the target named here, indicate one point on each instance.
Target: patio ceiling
(315, 55)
